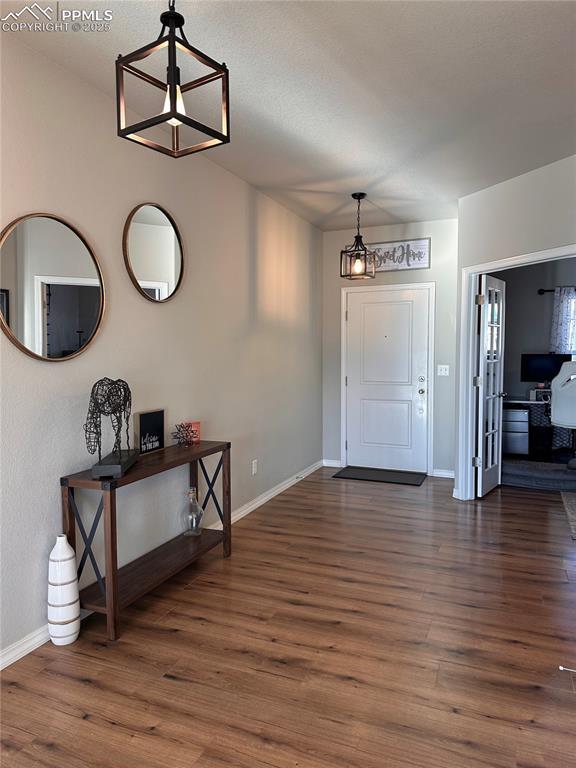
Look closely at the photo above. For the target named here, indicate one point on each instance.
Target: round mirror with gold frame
(51, 288)
(153, 252)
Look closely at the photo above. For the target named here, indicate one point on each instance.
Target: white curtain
(563, 334)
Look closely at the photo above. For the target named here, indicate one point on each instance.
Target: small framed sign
(402, 254)
(149, 430)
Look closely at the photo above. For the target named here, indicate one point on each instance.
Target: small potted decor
(187, 433)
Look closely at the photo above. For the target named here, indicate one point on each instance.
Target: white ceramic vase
(63, 597)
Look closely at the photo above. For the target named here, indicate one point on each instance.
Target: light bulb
(358, 267)
(179, 105)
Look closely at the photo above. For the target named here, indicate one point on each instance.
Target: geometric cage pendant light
(356, 261)
(173, 126)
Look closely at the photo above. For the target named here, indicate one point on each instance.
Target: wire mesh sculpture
(108, 398)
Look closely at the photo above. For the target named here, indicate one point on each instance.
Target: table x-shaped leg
(211, 483)
(224, 508)
(88, 539)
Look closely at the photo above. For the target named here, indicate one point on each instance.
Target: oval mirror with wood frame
(51, 288)
(153, 252)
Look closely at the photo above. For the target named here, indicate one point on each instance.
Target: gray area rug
(569, 500)
(538, 474)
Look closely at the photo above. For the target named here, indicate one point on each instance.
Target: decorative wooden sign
(402, 254)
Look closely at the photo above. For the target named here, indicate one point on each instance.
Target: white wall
(238, 347)
(9, 278)
(529, 213)
(443, 270)
(154, 253)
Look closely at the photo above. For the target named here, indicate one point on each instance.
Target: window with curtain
(563, 335)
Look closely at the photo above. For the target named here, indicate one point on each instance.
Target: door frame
(464, 485)
(160, 285)
(431, 288)
(39, 281)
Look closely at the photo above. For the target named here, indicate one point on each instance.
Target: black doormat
(381, 475)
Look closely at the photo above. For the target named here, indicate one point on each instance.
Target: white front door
(489, 381)
(387, 378)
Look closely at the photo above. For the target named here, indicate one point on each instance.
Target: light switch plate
(443, 370)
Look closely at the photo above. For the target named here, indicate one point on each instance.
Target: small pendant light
(172, 114)
(356, 261)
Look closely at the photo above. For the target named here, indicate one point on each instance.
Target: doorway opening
(66, 311)
(156, 289)
(476, 386)
(540, 335)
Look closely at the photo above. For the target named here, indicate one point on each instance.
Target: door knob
(421, 391)
(502, 394)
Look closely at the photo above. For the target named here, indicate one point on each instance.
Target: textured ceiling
(416, 103)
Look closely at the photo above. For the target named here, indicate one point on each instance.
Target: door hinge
(479, 299)
(346, 315)
(477, 381)
(346, 444)
(476, 461)
(345, 381)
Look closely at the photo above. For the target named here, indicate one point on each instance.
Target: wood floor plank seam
(356, 625)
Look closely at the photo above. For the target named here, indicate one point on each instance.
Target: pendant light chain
(358, 218)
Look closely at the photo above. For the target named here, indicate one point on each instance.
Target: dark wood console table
(121, 586)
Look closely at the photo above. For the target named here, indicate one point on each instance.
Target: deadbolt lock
(421, 391)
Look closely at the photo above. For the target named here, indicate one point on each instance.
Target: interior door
(489, 382)
(387, 370)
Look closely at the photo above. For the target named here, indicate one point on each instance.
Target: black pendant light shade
(356, 261)
(172, 128)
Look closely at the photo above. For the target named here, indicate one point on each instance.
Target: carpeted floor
(538, 474)
(569, 500)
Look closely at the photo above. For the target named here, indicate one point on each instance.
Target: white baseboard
(250, 506)
(22, 647)
(332, 463)
(40, 636)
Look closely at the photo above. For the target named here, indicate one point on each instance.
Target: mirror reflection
(153, 252)
(51, 293)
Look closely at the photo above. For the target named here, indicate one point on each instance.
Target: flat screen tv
(541, 368)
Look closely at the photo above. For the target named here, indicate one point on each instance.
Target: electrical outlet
(254, 467)
(443, 370)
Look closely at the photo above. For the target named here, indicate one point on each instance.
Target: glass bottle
(194, 515)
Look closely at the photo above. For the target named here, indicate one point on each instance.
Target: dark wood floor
(356, 625)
